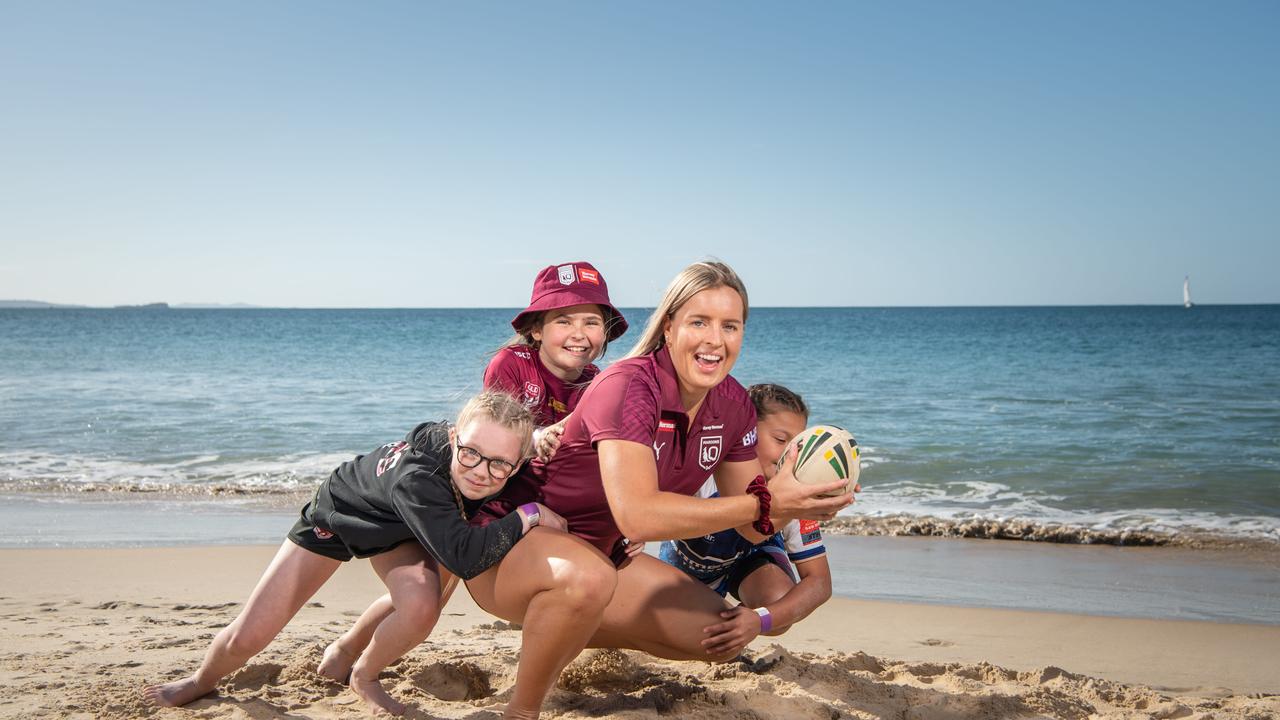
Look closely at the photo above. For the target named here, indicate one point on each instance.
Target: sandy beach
(86, 629)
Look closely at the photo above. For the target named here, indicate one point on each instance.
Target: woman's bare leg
(556, 586)
(413, 579)
(662, 611)
(293, 576)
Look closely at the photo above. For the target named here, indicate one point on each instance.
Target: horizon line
(42, 305)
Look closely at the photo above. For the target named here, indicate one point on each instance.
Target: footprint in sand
(160, 644)
(454, 681)
(218, 606)
(934, 642)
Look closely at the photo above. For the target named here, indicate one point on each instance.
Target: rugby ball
(826, 454)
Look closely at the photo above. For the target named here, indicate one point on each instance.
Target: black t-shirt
(402, 491)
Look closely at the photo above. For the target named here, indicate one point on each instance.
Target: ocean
(1118, 419)
(1089, 426)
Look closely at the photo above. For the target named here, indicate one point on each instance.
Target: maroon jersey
(517, 369)
(637, 399)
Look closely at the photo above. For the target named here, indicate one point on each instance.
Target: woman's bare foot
(176, 693)
(336, 663)
(373, 694)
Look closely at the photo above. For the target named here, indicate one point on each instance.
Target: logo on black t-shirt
(394, 451)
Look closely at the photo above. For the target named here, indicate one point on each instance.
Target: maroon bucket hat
(576, 283)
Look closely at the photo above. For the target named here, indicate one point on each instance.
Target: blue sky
(427, 154)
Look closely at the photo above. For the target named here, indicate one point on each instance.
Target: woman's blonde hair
(505, 410)
(699, 276)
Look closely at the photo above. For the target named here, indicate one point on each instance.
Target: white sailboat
(1186, 292)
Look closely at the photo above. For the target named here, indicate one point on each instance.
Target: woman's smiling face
(704, 337)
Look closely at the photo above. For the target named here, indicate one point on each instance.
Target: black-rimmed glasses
(498, 469)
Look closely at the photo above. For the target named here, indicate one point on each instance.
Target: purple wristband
(766, 620)
(531, 511)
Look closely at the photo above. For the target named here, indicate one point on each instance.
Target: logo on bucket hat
(562, 286)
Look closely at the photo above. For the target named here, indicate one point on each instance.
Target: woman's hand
(552, 519)
(792, 499)
(740, 627)
(547, 440)
(634, 547)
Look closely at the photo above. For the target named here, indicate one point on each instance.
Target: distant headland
(28, 304)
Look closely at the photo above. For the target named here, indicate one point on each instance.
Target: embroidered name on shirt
(712, 427)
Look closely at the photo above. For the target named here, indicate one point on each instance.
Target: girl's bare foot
(336, 663)
(375, 696)
(176, 693)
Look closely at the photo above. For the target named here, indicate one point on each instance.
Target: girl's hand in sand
(792, 500)
(740, 627)
(547, 440)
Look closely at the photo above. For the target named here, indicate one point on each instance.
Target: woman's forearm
(670, 516)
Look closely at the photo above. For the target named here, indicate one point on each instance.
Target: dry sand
(84, 630)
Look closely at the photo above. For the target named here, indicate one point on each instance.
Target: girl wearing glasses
(568, 324)
(406, 507)
(640, 443)
(547, 364)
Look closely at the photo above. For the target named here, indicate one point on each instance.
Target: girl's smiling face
(569, 339)
(773, 432)
(494, 442)
(704, 337)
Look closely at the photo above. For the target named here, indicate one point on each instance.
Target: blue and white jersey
(711, 556)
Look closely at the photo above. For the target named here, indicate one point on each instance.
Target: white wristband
(766, 620)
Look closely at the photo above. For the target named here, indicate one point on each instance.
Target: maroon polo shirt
(637, 399)
(517, 369)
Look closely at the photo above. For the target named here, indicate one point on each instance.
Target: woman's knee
(588, 585)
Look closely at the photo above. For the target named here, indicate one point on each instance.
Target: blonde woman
(640, 443)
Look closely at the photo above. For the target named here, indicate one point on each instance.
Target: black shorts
(745, 567)
(307, 535)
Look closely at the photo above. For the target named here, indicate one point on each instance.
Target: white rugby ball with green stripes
(826, 453)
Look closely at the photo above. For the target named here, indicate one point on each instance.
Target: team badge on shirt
(532, 393)
(566, 274)
(709, 451)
